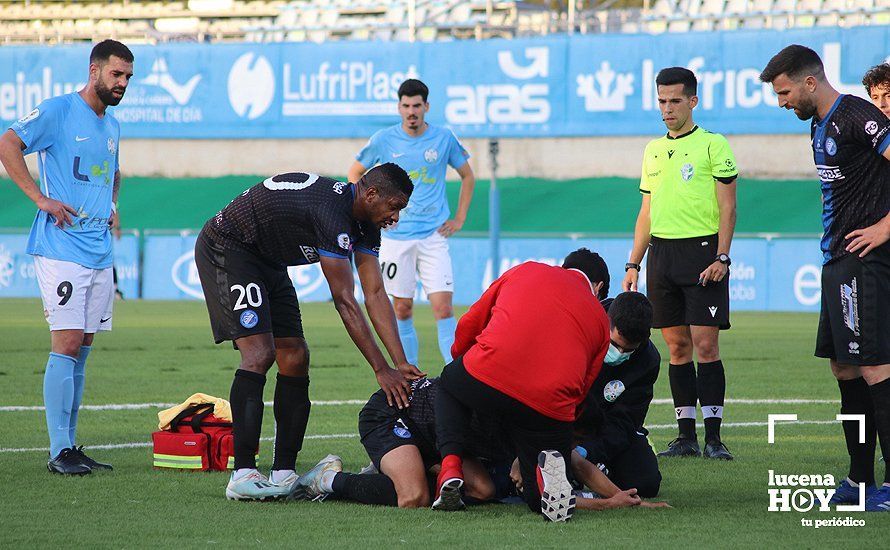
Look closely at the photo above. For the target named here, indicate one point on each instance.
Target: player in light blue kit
(417, 246)
(77, 145)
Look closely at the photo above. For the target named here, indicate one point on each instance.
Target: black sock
(291, 407)
(366, 488)
(880, 397)
(856, 399)
(246, 399)
(711, 393)
(683, 390)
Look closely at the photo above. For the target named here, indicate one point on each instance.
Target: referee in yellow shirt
(686, 220)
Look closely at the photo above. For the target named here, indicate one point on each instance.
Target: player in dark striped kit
(851, 149)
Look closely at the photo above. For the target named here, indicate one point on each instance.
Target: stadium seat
(718, 7)
(785, 6)
(678, 25)
(664, 7)
(834, 5)
(295, 20)
(880, 18)
(689, 7)
(832, 19)
(810, 6)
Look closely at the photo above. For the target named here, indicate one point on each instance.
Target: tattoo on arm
(115, 190)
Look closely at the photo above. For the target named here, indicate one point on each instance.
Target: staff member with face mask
(527, 354)
(612, 423)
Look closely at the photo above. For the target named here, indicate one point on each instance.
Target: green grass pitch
(161, 352)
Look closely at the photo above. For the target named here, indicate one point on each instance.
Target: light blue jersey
(77, 158)
(426, 159)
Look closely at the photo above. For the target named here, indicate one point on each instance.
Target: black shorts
(854, 323)
(636, 467)
(383, 428)
(244, 293)
(673, 267)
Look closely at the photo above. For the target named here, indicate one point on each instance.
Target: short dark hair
(105, 49)
(678, 75)
(631, 314)
(877, 76)
(389, 178)
(592, 265)
(413, 87)
(796, 62)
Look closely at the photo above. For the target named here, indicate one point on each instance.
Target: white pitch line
(742, 424)
(143, 444)
(140, 406)
(764, 402)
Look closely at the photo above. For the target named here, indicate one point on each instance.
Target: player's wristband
(581, 451)
(114, 208)
(631, 265)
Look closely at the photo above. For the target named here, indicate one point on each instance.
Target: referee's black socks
(246, 399)
(683, 390)
(711, 393)
(880, 396)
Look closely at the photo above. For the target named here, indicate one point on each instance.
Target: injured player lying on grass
(404, 463)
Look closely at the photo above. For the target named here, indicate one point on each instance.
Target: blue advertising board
(766, 275)
(583, 85)
(18, 277)
(779, 274)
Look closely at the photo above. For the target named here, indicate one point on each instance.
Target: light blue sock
(446, 329)
(58, 393)
(79, 378)
(409, 339)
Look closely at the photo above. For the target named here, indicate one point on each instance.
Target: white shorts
(404, 262)
(74, 296)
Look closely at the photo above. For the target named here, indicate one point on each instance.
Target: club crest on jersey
(249, 318)
(343, 241)
(830, 146)
(613, 390)
(401, 430)
(871, 127)
(687, 171)
(338, 187)
(112, 146)
(30, 116)
(431, 155)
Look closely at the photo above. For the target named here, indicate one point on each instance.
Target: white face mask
(616, 357)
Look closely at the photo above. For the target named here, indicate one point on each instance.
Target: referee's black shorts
(673, 267)
(245, 294)
(854, 324)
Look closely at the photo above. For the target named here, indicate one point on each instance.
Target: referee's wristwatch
(724, 259)
(631, 265)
